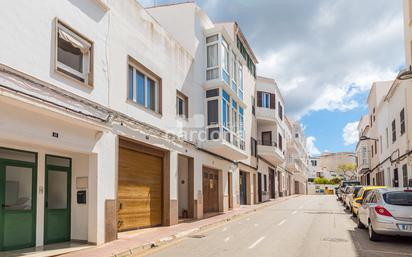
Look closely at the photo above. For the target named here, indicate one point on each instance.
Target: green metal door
(17, 204)
(57, 199)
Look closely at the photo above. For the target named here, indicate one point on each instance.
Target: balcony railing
(217, 133)
(267, 143)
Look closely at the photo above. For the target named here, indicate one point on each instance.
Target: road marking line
(224, 229)
(227, 239)
(300, 207)
(293, 213)
(257, 242)
(281, 223)
(256, 224)
(248, 219)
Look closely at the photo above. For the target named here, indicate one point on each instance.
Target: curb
(169, 239)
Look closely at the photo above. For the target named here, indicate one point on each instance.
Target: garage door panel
(141, 206)
(142, 179)
(138, 221)
(142, 189)
(139, 190)
(132, 193)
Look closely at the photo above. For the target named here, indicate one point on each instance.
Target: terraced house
(114, 117)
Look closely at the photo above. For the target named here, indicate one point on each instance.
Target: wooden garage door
(210, 190)
(139, 190)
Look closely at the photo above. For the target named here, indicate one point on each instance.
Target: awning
(80, 44)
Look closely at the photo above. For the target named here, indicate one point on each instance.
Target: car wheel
(359, 223)
(372, 235)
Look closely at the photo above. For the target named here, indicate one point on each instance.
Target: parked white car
(345, 193)
(386, 211)
(349, 196)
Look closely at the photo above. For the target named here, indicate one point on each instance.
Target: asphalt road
(303, 226)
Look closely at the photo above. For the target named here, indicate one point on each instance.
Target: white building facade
(297, 159)
(314, 167)
(271, 139)
(384, 150)
(115, 118)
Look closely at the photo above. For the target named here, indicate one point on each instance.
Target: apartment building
(363, 149)
(331, 163)
(297, 158)
(314, 167)
(383, 146)
(271, 143)
(385, 140)
(224, 72)
(115, 117)
(369, 151)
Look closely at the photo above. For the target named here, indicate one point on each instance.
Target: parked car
(337, 189)
(346, 191)
(362, 194)
(349, 197)
(386, 211)
(343, 185)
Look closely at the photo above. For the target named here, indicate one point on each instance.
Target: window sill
(66, 76)
(144, 108)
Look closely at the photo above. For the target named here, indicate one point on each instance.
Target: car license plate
(404, 227)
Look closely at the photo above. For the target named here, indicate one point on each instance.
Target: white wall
(33, 45)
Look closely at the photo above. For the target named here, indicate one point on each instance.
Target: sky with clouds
(324, 54)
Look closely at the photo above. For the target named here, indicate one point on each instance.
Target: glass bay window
(222, 62)
(225, 115)
(225, 61)
(212, 59)
(233, 73)
(240, 80)
(227, 122)
(241, 128)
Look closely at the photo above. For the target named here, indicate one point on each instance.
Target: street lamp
(405, 74)
(363, 138)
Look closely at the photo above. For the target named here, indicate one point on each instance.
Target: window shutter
(272, 101)
(259, 99)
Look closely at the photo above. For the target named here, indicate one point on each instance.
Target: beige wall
(330, 162)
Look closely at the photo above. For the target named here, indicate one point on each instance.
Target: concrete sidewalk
(133, 242)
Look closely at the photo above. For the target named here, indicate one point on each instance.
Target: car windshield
(366, 194)
(350, 183)
(359, 194)
(398, 198)
(356, 190)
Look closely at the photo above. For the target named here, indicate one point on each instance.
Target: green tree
(335, 181)
(348, 170)
(321, 181)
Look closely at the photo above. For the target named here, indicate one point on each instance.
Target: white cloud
(322, 53)
(350, 133)
(310, 145)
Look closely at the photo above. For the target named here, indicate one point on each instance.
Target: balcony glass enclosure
(227, 68)
(225, 121)
(225, 114)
